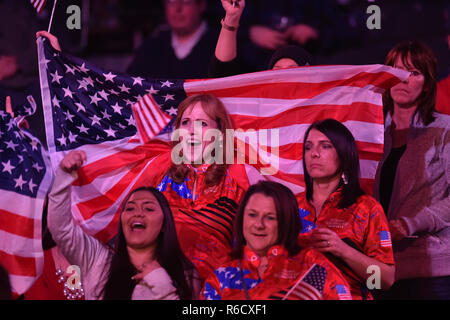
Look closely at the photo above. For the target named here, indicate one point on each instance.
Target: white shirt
(183, 49)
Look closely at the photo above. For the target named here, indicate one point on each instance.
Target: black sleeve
(220, 69)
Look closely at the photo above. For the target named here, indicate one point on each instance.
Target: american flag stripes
(38, 4)
(288, 101)
(25, 179)
(150, 119)
(89, 109)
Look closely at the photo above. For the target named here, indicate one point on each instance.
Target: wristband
(227, 27)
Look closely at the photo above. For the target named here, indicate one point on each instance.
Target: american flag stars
(21, 162)
(91, 106)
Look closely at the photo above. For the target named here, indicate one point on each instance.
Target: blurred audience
(19, 75)
(179, 49)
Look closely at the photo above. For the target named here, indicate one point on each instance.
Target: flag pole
(51, 17)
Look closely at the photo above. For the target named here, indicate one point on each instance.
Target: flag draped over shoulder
(25, 179)
(90, 109)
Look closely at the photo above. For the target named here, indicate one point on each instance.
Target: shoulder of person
(441, 120)
(367, 200)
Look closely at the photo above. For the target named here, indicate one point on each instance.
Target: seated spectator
(147, 262)
(180, 51)
(340, 220)
(413, 177)
(267, 261)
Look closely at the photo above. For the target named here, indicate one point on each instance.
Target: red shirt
(363, 226)
(203, 215)
(315, 276)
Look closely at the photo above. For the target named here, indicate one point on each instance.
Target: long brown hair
(215, 109)
(423, 59)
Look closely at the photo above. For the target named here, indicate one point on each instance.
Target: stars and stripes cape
(90, 109)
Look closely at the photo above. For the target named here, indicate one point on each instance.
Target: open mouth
(137, 226)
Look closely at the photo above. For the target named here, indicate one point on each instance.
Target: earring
(344, 178)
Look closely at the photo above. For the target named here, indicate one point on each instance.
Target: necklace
(71, 292)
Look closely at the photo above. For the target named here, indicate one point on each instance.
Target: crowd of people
(225, 238)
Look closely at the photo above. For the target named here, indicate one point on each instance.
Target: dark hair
(215, 109)
(289, 223)
(296, 53)
(345, 145)
(119, 285)
(423, 59)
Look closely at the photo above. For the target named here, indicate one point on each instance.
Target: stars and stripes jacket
(203, 214)
(363, 226)
(305, 276)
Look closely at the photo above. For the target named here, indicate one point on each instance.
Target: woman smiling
(267, 261)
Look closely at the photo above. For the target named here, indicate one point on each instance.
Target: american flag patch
(385, 239)
(343, 292)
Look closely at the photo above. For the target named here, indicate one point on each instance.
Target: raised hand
(53, 40)
(73, 161)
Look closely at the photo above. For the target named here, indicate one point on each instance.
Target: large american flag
(25, 179)
(90, 109)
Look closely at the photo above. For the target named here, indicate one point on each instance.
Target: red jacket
(363, 226)
(203, 215)
(305, 276)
